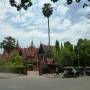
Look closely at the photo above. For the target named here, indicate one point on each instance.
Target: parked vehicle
(69, 72)
(61, 69)
(79, 71)
(87, 71)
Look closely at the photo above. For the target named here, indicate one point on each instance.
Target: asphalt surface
(35, 82)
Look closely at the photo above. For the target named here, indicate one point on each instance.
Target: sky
(67, 23)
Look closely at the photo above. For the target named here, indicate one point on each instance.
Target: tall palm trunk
(48, 32)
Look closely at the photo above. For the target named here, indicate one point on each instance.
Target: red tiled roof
(29, 52)
(33, 51)
(23, 52)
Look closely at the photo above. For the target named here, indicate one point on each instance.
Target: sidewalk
(52, 75)
(35, 74)
(8, 75)
(31, 74)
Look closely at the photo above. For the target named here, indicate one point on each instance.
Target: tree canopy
(69, 55)
(8, 44)
(25, 4)
(47, 10)
(22, 4)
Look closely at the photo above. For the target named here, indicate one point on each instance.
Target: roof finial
(17, 45)
(32, 44)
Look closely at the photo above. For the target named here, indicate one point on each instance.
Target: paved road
(31, 82)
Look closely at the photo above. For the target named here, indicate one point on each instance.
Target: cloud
(67, 23)
(62, 10)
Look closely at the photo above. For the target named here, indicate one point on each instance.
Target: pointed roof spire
(32, 45)
(17, 45)
(41, 50)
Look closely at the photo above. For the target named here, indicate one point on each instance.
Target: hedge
(12, 69)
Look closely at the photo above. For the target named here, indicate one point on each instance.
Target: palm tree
(47, 12)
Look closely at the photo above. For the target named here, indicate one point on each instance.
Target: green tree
(68, 45)
(66, 57)
(71, 1)
(83, 52)
(22, 4)
(56, 51)
(54, 0)
(2, 61)
(8, 44)
(27, 3)
(15, 59)
(57, 47)
(49, 53)
(47, 12)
